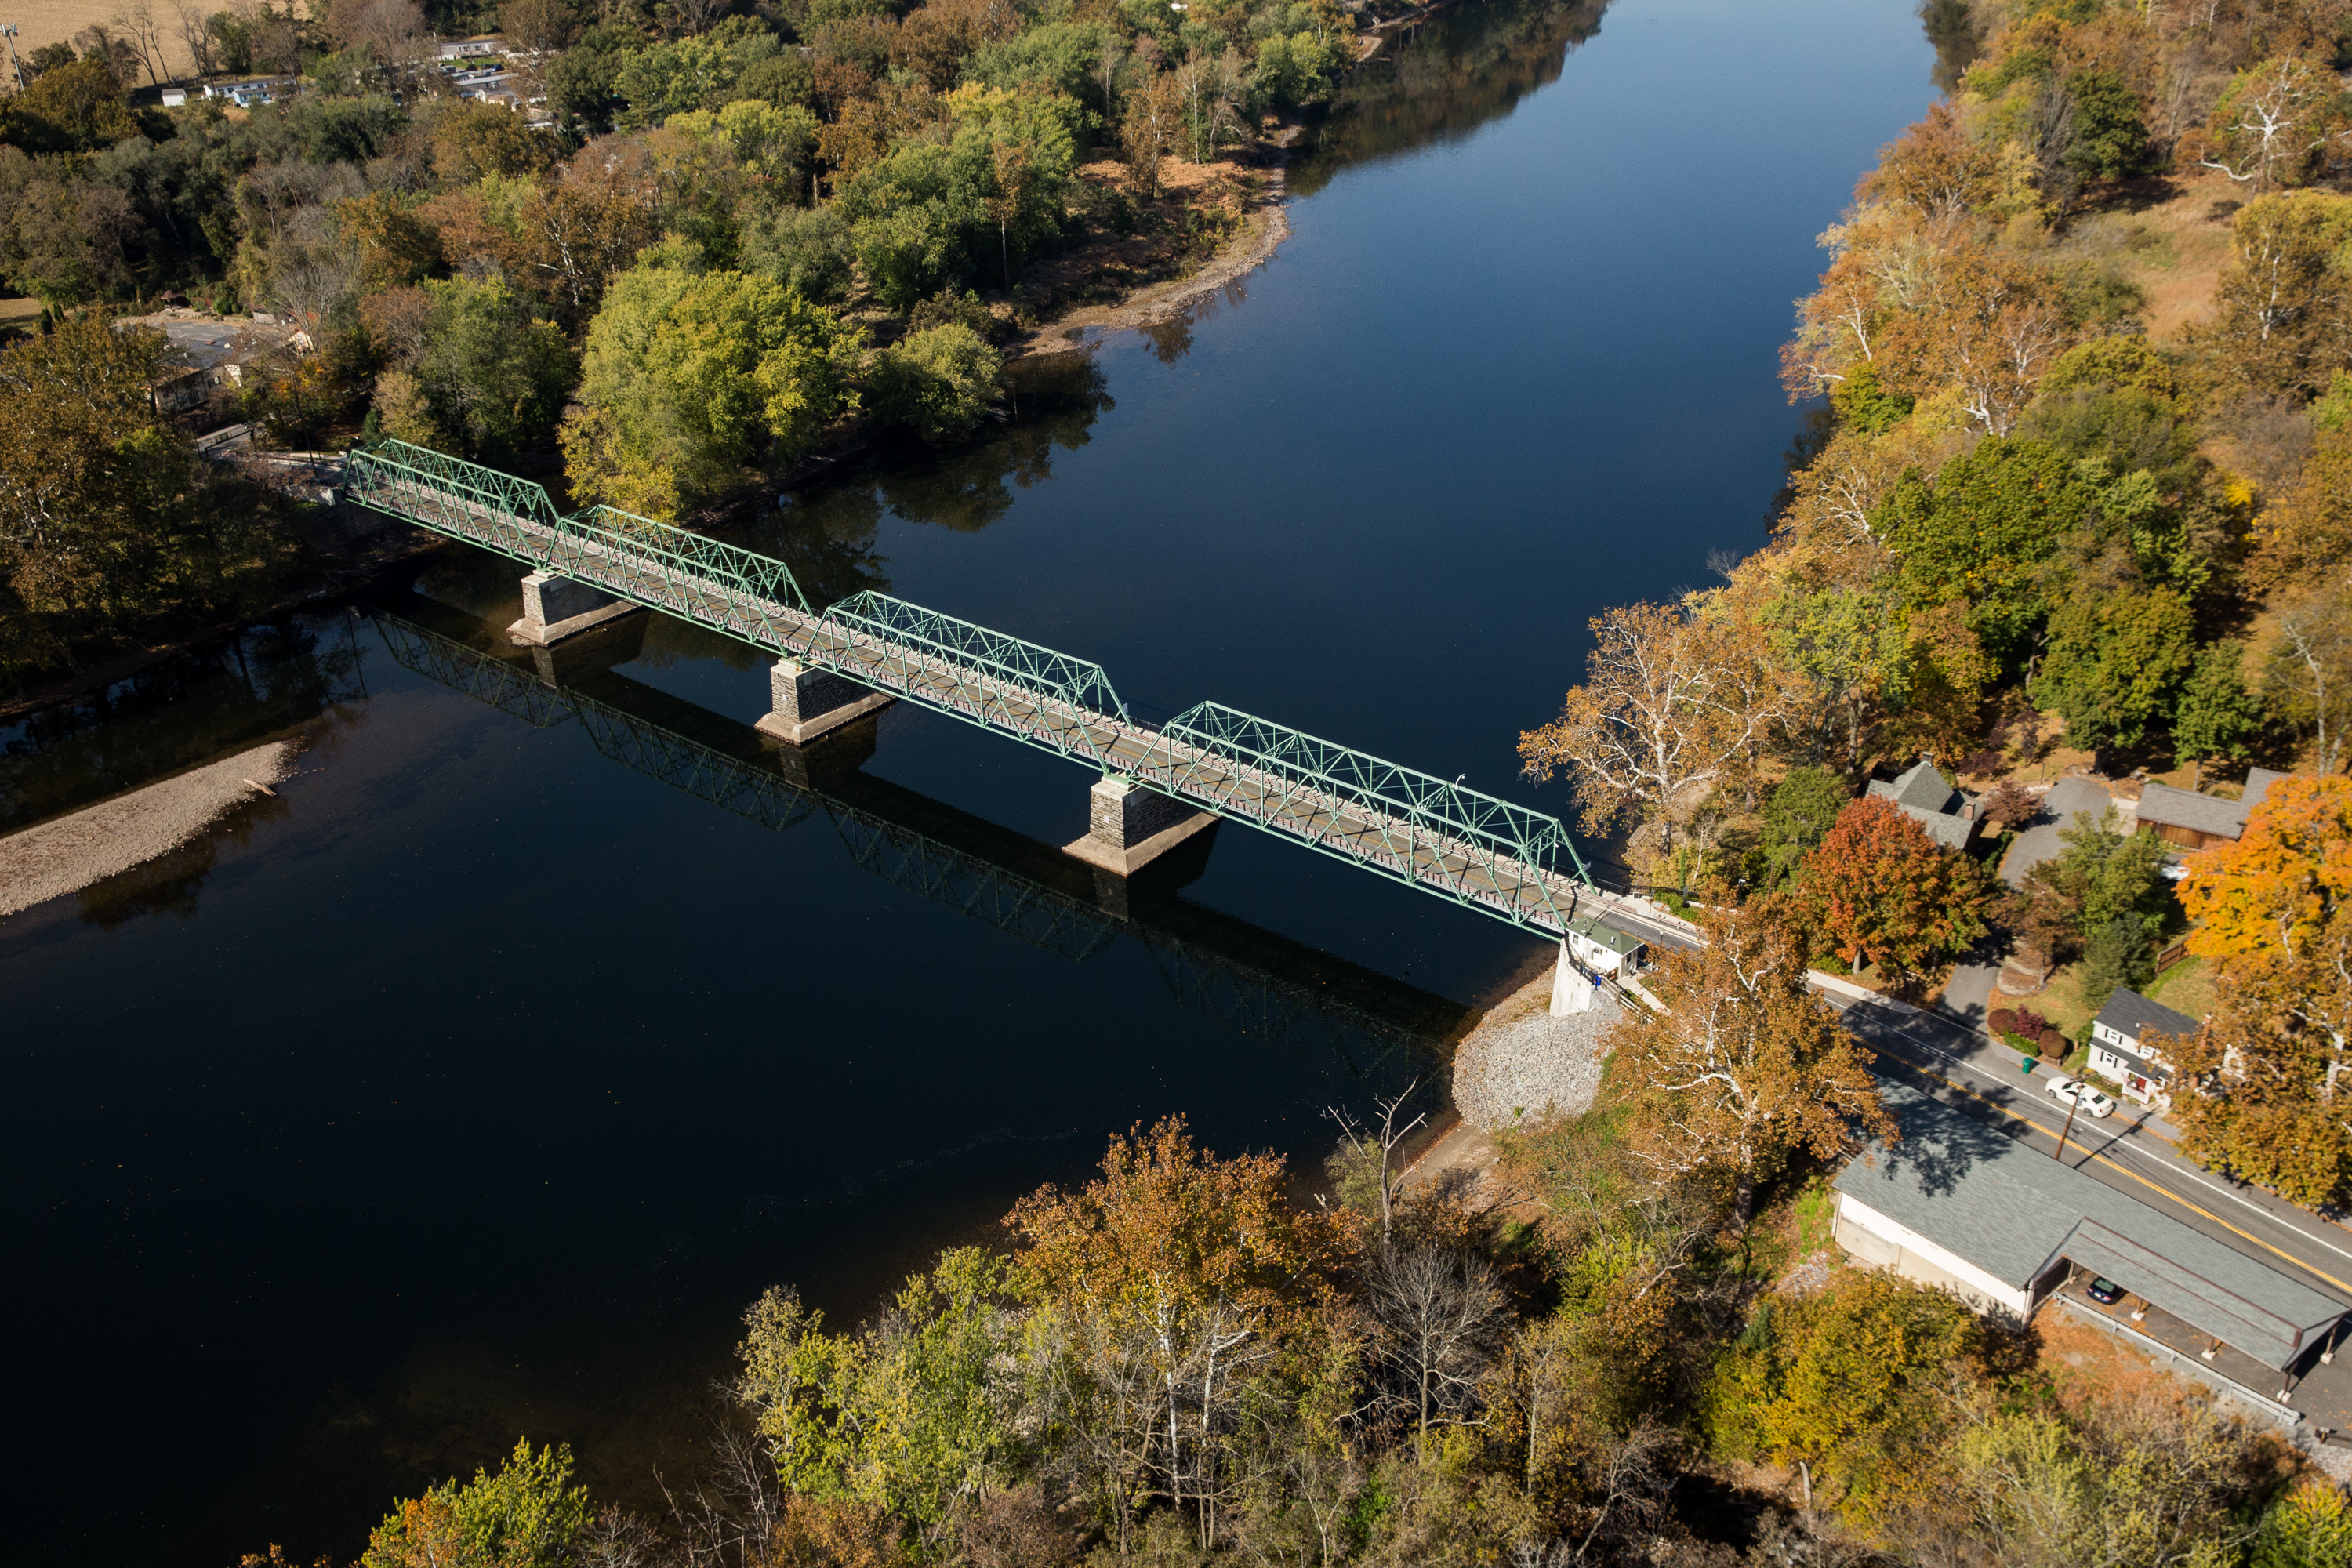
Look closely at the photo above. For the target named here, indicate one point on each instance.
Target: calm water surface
(470, 1088)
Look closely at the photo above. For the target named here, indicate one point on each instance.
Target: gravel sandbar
(104, 840)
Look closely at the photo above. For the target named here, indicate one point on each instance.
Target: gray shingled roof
(2258, 785)
(2131, 1014)
(2185, 808)
(1924, 786)
(2012, 1212)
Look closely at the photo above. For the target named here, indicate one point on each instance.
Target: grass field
(40, 22)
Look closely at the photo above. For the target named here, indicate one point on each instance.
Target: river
(471, 1087)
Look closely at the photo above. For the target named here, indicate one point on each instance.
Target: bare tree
(730, 1520)
(2311, 671)
(1439, 1315)
(1367, 1145)
(137, 21)
(190, 17)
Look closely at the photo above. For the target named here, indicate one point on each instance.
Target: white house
(2118, 1051)
(1604, 949)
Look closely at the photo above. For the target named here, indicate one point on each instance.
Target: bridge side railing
(516, 518)
(1487, 853)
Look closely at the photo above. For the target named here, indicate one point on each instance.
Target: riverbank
(105, 841)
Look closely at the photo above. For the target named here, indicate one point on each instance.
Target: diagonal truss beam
(1413, 827)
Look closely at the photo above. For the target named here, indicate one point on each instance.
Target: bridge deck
(1407, 847)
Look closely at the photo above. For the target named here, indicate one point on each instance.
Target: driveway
(2040, 842)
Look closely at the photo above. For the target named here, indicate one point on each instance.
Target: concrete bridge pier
(1571, 987)
(557, 607)
(809, 702)
(1129, 826)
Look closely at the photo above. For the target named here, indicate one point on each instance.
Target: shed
(1604, 949)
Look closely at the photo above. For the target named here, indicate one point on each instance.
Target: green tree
(2117, 955)
(2110, 136)
(493, 378)
(914, 1415)
(583, 82)
(937, 382)
(528, 1515)
(1979, 534)
(2218, 719)
(686, 377)
(2114, 663)
(107, 517)
(698, 72)
(2308, 1527)
(2101, 876)
(1798, 816)
(1850, 1382)
(73, 109)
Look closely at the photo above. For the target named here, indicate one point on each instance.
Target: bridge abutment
(557, 607)
(1571, 988)
(809, 702)
(1129, 826)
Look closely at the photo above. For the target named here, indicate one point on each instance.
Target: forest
(839, 214)
(2076, 499)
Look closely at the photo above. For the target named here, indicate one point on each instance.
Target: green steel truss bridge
(1502, 860)
(1249, 982)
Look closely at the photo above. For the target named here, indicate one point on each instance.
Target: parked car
(2105, 1292)
(2075, 1092)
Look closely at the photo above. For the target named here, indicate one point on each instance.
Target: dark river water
(471, 1087)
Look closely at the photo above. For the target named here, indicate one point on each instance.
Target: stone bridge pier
(1128, 825)
(809, 702)
(557, 607)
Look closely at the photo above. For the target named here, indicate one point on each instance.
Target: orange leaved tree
(1161, 1286)
(1889, 896)
(1745, 1065)
(2274, 910)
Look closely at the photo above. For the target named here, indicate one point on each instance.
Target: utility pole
(8, 31)
(2073, 1106)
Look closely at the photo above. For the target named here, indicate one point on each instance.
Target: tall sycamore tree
(1671, 706)
(1744, 1067)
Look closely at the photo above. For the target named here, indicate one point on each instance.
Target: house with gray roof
(2194, 821)
(2119, 1050)
(1959, 1203)
(1926, 797)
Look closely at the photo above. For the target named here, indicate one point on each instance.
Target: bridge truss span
(1506, 861)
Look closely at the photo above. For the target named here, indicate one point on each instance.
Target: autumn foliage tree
(1889, 896)
(1162, 1284)
(2263, 1077)
(1744, 1067)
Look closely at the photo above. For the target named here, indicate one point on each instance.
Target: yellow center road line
(2135, 1175)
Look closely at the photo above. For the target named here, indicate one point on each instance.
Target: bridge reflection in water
(1247, 980)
